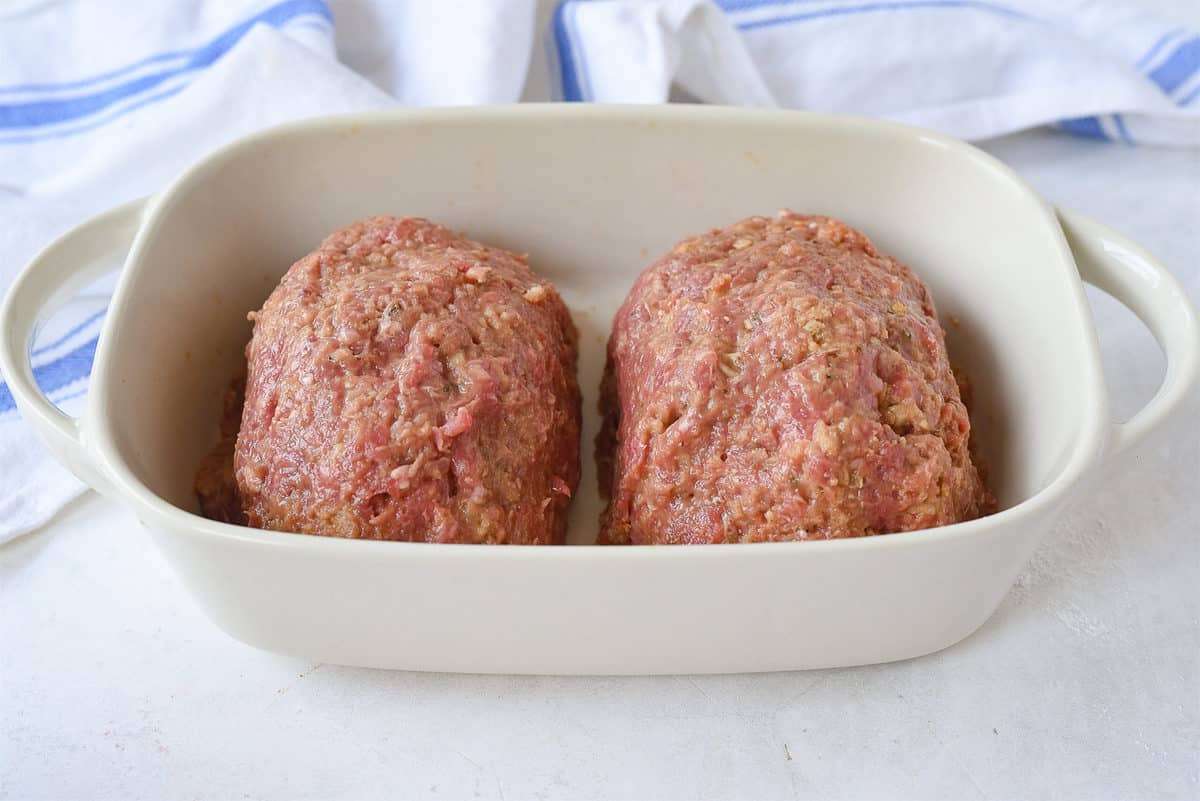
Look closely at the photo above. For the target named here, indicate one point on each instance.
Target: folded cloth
(133, 105)
(130, 99)
(971, 68)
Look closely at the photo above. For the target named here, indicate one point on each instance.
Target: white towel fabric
(139, 99)
(101, 104)
(971, 68)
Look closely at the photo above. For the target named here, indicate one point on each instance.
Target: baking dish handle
(67, 264)
(1123, 269)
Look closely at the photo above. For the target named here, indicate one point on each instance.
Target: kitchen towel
(970, 68)
(100, 103)
(126, 102)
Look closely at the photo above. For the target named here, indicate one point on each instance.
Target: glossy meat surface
(780, 379)
(405, 383)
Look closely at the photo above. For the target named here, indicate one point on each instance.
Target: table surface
(1085, 683)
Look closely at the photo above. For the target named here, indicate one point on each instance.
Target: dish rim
(100, 441)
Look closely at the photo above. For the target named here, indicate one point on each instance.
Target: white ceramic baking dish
(594, 194)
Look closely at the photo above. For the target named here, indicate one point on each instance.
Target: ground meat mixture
(781, 380)
(215, 484)
(404, 383)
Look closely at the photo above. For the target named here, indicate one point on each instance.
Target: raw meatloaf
(404, 383)
(780, 380)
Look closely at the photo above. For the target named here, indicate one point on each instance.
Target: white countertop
(1085, 684)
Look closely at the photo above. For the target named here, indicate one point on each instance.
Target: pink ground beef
(781, 380)
(405, 383)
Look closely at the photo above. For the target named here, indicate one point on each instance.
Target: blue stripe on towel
(571, 91)
(1084, 126)
(585, 78)
(1119, 121)
(1179, 66)
(160, 58)
(95, 122)
(1157, 47)
(868, 8)
(88, 321)
(57, 374)
(75, 393)
(58, 110)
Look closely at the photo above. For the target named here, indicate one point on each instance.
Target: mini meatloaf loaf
(780, 380)
(404, 383)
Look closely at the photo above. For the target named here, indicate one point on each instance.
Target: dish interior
(594, 197)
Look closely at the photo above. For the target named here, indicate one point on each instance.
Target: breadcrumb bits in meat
(810, 398)
(402, 384)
